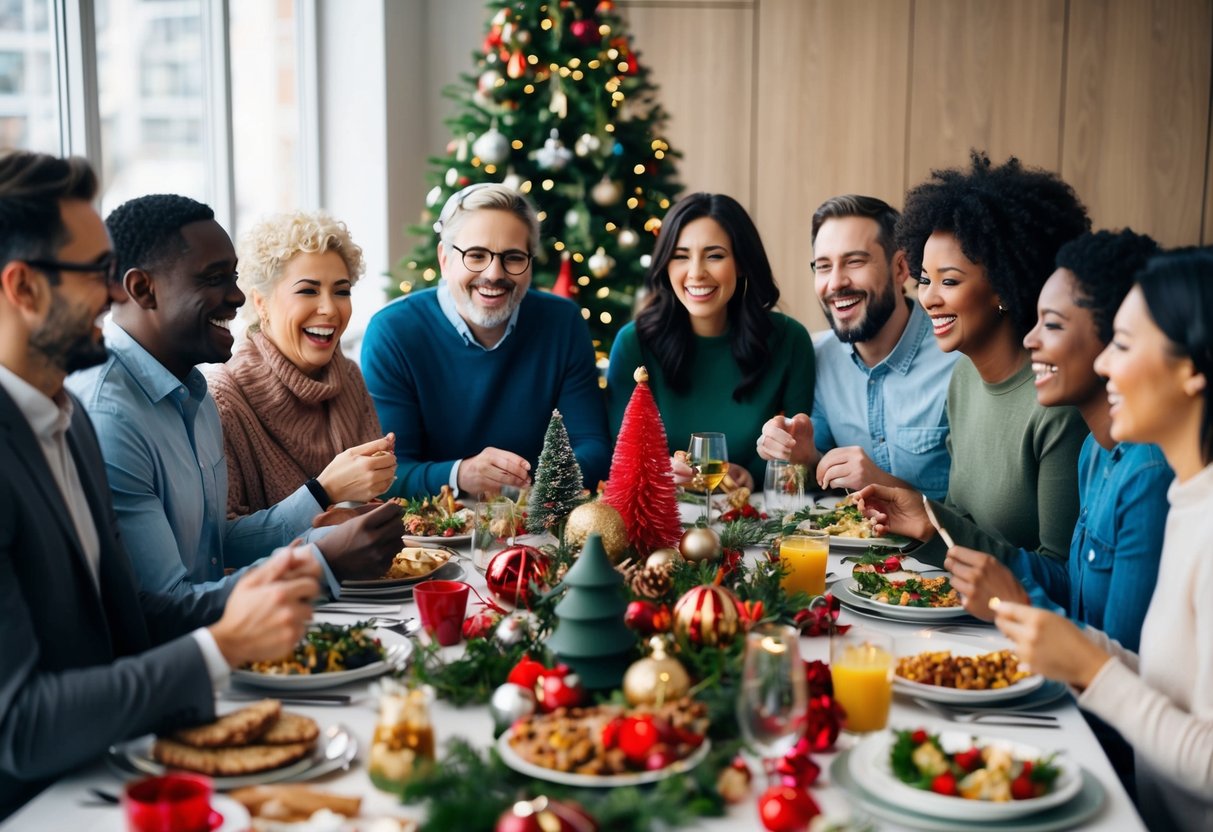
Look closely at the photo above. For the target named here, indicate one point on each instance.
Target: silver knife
(323, 699)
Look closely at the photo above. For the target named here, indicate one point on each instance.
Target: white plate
(843, 590)
(439, 540)
(912, 646)
(382, 583)
(511, 758)
(396, 647)
(869, 765)
(452, 570)
(335, 749)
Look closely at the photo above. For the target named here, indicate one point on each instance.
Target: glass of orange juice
(804, 556)
(861, 662)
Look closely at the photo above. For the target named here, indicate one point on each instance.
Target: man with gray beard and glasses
(467, 374)
(878, 408)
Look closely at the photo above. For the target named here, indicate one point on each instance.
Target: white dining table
(63, 806)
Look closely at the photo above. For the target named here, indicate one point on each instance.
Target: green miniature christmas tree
(557, 488)
(590, 635)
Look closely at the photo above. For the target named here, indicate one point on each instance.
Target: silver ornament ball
(509, 704)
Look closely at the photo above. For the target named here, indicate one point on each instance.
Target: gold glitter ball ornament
(655, 679)
(602, 518)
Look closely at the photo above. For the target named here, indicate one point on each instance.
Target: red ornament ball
(559, 688)
(647, 617)
(545, 815)
(786, 809)
(511, 572)
(586, 31)
(707, 615)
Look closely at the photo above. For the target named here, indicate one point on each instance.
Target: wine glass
(709, 459)
(772, 706)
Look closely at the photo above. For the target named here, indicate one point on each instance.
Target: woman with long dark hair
(719, 357)
(1159, 366)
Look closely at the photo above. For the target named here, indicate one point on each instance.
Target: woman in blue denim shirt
(1109, 578)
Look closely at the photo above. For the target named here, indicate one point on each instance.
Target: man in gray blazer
(86, 658)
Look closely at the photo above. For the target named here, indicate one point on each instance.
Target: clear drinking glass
(861, 663)
(493, 527)
(708, 456)
(772, 706)
(783, 488)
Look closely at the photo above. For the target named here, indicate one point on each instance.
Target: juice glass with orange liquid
(804, 556)
(861, 663)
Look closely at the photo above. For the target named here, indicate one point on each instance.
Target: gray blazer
(80, 670)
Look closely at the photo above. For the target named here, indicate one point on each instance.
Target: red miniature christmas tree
(641, 487)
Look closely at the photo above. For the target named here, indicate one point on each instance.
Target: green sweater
(1014, 476)
(786, 387)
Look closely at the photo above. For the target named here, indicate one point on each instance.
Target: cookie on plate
(237, 728)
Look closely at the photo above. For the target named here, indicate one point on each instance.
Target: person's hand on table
(1049, 644)
(978, 577)
(269, 608)
(360, 473)
(362, 548)
(741, 477)
(849, 468)
(895, 509)
(790, 439)
(681, 468)
(491, 469)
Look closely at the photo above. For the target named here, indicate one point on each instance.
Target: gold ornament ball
(597, 517)
(662, 557)
(700, 544)
(655, 679)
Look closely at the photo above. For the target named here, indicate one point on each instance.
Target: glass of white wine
(709, 458)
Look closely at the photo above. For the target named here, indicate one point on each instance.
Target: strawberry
(448, 533)
(969, 760)
(918, 737)
(945, 784)
(1022, 788)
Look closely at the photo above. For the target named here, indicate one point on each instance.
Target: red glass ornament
(559, 688)
(707, 615)
(511, 572)
(545, 815)
(637, 737)
(586, 31)
(516, 67)
(786, 809)
(526, 673)
(647, 617)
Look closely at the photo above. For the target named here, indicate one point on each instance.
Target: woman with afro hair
(982, 243)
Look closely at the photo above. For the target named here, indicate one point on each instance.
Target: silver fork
(1017, 718)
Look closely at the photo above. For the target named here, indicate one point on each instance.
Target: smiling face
(853, 277)
(308, 310)
(1064, 345)
(197, 298)
(69, 337)
(957, 295)
(1145, 379)
(703, 274)
(486, 299)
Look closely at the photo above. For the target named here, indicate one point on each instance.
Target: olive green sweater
(1014, 477)
(708, 404)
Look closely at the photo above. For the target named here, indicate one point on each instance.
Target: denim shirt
(895, 410)
(1109, 578)
(164, 458)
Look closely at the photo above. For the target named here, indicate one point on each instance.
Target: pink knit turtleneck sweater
(280, 427)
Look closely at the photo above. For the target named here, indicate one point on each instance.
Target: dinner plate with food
(900, 594)
(327, 656)
(260, 743)
(958, 776)
(846, 525)
(956, 672)
(439, 519)
(607, 745)
(410, 565)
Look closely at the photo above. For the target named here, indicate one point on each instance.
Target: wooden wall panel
(985, 75)
(1136, 123)
(831, 120)
(702, 59)
(1207, 236)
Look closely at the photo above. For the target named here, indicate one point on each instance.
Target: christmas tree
(641, 486)
(560, 108)
(557, 488)
(591, 636)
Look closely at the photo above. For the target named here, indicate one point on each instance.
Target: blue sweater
(446, 399)
(1113, 566)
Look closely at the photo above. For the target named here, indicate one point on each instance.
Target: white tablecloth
(58, 808)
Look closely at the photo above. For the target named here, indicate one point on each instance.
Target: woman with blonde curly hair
(294, 409)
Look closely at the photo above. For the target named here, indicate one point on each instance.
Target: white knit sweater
(1162, 701)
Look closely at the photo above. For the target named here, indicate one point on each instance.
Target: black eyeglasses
(477, 259)
(107, 265)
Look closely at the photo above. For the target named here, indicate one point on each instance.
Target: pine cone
(652, 581)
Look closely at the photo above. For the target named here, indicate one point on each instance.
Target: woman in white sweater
(1159, 368)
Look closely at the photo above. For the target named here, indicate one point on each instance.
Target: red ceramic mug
(171, 803)
(442, 605)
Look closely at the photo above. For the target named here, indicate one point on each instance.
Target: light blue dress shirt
(1109, 578)
(894, 411)
(163, 448)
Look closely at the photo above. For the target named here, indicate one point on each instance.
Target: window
(29, 101)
